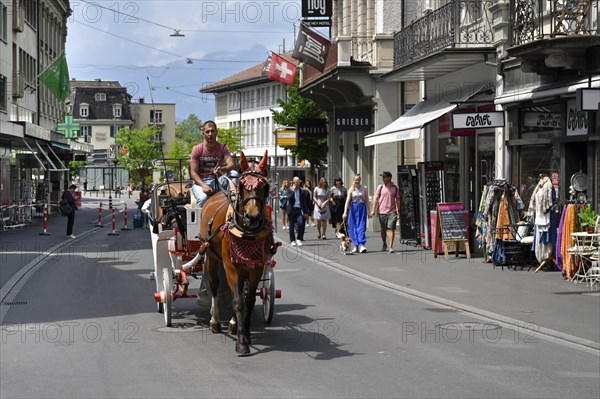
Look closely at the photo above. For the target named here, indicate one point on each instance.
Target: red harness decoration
(250, 253)
(252, 181)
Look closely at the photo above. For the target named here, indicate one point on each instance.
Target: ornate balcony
(550, 34)
(457, 27)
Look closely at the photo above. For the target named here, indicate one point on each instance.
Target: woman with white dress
(321, 198)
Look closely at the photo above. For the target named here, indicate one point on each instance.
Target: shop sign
(353, 119)
(286, 137)
(541, 119)
(577, 121)
(478, 120)
(312, 128)
(587, 99)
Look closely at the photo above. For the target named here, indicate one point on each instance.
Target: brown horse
(240, 235)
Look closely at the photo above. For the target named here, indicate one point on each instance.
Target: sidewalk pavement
(541, 300)
(544, 301)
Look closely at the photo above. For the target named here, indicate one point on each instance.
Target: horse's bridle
(250, 180)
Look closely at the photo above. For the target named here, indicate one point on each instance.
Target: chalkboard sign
(451, 227)
(452, 221)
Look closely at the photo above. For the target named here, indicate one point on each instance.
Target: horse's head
(252, 194)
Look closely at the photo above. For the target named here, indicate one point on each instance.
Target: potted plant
(588, 219)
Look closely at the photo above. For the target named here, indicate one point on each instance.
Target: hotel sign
(353, 119)
(478, 120)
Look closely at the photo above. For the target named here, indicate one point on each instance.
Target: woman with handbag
(70, 202)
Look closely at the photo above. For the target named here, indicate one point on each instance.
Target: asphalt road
(82, 323)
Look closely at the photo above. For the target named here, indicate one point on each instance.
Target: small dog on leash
(345, 241)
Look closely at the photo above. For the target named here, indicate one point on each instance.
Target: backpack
(65, 208)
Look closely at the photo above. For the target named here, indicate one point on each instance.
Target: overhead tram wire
(164, 51)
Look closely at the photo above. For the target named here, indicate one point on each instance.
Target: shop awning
(54, 162)
(409, 125)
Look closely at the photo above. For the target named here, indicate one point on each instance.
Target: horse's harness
(236, 223)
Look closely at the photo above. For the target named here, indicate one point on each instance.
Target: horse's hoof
(215, 328)
(242, 349)
(232, 328)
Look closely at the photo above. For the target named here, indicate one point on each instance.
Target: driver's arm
(228, 164)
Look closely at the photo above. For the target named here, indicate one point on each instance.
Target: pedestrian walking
(387, 205)
(144, 196)
(356, 210)
(70, 199)
(321, 199)
(283, 204)
(310, 220)
(298, 200)
(336, 206)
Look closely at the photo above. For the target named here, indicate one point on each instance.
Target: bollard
(99, 224)
(125, 217)
(45, 233)
(114, 223)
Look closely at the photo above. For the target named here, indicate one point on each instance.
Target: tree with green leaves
(297, 107)
(139, 149)
(75, 168)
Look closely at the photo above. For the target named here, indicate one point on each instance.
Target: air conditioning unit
(18, 16)
(18, 87)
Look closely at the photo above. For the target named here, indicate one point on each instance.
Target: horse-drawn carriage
(233, 229)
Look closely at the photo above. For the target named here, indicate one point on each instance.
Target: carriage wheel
(167, 286)
(269, 295)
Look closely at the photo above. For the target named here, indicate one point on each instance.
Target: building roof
(247, 77)
(85, 92)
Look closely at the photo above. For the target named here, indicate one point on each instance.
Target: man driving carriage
(210, 161)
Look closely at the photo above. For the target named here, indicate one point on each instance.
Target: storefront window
(533, 161)
(542, 121)
(449, 153)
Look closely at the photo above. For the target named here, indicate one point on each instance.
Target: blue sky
(130, 41)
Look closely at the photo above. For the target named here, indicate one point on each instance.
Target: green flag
(56, 77)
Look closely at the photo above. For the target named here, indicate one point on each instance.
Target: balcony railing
(544, 19)
(458, 24)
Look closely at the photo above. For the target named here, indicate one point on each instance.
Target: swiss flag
(282, 70)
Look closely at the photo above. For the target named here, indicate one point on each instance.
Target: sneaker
(391, 251)
(313, 225)
(299, 243)
(293, 243)
(71, 236)
(383, 248)
(362, 249)
(354, 249)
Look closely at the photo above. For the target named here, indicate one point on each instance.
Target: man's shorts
(387, 221)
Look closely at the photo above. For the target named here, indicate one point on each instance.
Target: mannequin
(541, 205)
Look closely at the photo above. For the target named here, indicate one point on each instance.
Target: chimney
(141, 99)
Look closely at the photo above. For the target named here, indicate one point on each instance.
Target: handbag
(65, 208)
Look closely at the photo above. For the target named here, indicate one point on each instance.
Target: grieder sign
(478, 120)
